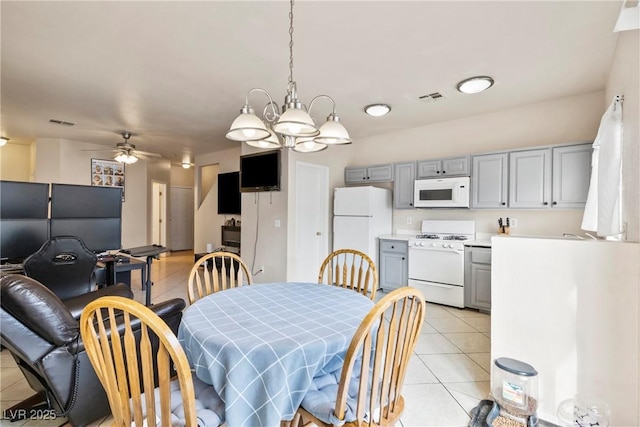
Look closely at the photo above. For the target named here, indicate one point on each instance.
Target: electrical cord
(74, 392)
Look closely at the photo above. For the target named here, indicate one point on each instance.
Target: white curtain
(603, 211)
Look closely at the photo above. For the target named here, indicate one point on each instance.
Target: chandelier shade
(295, 126)
(332, 132)
(309, 145)
(297, 123)
(269, 142)
(247, 127)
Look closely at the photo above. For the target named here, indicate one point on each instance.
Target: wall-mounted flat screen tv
(260, 171)
(229, 196)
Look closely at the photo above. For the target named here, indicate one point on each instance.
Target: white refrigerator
(360, 216)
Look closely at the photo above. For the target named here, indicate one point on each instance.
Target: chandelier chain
(291, 43)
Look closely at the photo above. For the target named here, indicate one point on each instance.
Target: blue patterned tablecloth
(261, 345)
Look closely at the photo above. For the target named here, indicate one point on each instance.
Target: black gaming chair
(67, 267)
(44, 340)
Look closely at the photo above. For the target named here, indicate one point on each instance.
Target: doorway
(181, 219)
(158, 213)
(311, 219)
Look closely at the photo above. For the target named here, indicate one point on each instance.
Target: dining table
(261, 345)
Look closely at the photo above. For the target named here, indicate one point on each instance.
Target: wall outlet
(409, 220)
(276, 223)
(513, 222)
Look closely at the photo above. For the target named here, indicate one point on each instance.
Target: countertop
(481, 240)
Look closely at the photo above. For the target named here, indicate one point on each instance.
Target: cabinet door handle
(503, 203)
(403, 258)
(437, 171)
(554, 203)
(444, 171)
(545, 203)
(393, 247)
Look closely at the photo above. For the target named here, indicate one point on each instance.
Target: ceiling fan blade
(104, 150)
(146, 153)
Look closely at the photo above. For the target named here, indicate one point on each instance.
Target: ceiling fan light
(332, 132)
(475, 84)
(126, 158)
(297, 123)
(247, 127)
(377, 110)
(3, 140)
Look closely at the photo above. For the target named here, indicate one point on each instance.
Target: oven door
(439, 274)
(437, 265)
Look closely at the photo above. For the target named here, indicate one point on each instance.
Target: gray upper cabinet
(405, 175)
(530, 178)
(376, 173)
(571, 175)
(454, 166)
(489, 181)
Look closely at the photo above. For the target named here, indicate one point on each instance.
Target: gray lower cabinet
(477, 278)
(376, 173)
(393, 271)
(405, 175)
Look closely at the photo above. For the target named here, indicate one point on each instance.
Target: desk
(151, 252)
(261, 345)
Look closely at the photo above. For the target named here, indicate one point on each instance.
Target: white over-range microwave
(442, 193)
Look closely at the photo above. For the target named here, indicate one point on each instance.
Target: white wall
(66, 162)
(15, 164)
(207, 222)
(623, 80)
(570, 309)
(565, 120)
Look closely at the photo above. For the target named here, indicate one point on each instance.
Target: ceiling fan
(126, 152)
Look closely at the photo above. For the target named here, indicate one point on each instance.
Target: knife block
(504, 229)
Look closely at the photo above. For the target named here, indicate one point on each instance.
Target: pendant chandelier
(294, 126)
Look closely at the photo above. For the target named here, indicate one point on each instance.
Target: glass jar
(514, 386)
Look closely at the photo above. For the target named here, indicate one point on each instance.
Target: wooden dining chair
(145, 374)
(350, 268)
(369, 392)
(215, 272)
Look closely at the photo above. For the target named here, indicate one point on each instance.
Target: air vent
(61, 122)
(431, 97)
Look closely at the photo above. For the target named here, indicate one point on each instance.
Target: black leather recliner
(44, 339)
(67, 267)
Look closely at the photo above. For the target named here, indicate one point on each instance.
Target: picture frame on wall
(107, 173)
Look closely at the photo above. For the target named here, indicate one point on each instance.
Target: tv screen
(24, 200)
(19, 238)
(229, 193)
(260, 171)
(98, 234)
(85, 201)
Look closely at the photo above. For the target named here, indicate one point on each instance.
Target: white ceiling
(175, 73)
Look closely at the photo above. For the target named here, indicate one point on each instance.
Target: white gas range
(436, 260)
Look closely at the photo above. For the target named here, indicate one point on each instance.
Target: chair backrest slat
(351, 269)
(206, 278)
(118, 359)
(383, 344)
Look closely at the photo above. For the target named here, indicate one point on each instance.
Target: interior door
(311, 222)
(181, 218)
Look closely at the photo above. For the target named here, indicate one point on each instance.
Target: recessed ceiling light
(377, 110)
(475, 84)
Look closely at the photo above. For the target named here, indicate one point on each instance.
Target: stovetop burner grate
(427, 236)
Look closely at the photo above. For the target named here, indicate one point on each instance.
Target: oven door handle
(442, 285)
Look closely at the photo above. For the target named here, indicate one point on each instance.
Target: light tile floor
(447, 377)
